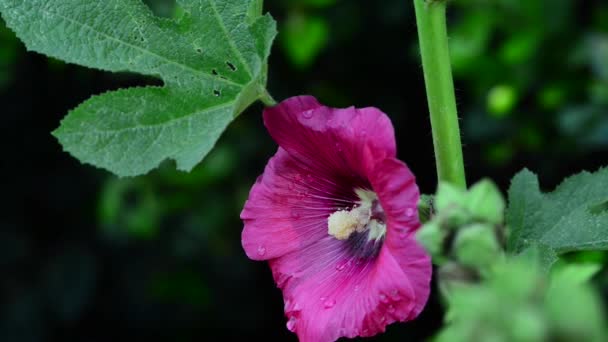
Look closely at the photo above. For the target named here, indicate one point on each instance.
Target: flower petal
(327, 295)
(277, 217)
(335, 142)
(416, 264)
(398, 193)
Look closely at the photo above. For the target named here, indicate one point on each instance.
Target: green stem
(432, 33)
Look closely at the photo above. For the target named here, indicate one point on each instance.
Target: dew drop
(261, 250)
(356, 289)
(342, 265)
(328, 304)
(395, 295)
(382, 319)
(391, 308)
(383, 298)
(409, 212)
(322, 299)
(307, 114)
(291, 324)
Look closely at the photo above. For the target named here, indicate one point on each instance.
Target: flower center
(367, 216)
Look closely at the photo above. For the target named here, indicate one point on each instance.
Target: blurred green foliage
(552, 89)
(518, 303)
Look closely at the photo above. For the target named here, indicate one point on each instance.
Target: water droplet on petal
(342, 265)
(383, 298)
(356, 289)
(261, 250)
(382, 319)
(395, 295)
(329, 303)
(291, 324)
(391, 308)
(409, 212)
(307, 114)
(322, 299)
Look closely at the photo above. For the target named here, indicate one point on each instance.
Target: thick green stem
(432, 33)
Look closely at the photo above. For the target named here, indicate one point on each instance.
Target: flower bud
(477, 246)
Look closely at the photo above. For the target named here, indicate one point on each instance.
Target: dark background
(85, 256)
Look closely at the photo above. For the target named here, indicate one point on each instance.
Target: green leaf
(571, 218)
(212, 59)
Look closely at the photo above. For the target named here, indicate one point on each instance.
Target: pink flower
(335, 214)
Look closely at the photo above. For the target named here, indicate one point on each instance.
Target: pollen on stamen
(342, 223)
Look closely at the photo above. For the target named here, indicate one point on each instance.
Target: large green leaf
(573, 217)
(212, 59)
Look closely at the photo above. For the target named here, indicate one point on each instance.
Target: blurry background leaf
(303, 37)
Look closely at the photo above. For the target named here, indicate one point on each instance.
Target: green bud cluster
(517, 302)
(464, 228)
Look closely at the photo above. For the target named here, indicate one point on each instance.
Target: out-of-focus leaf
(501, 100)
(129, 206)
(304, 37)
(597, 47)
(588, 125)
(469, 39)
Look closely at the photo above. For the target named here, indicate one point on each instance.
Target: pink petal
(283, 213)
(415, 263)
(334, 142)
(398, 193)
(327, 295)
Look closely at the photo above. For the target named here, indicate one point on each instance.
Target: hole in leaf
(231, 66)
(199, 50)
(214, 72)
(216, 93)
